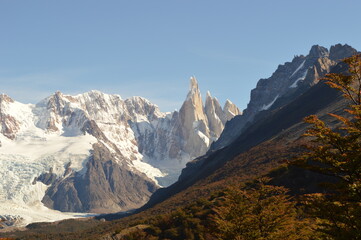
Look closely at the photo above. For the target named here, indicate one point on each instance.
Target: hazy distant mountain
(96, 152)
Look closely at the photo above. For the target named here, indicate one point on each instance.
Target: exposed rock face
(171, 141)
(194, 122)
(201, 124)
(105, 154)
(230, 110)
(9, 125)
(289, 81)
(216, 117)
(340, 51)
(105, 187)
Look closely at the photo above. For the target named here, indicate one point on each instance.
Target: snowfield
(24, 159)
(36, 149)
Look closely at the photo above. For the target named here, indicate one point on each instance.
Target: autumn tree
(263, 212)
(337, 152)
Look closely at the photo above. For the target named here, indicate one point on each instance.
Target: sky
(150, 48)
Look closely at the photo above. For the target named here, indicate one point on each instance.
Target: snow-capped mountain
(96, 152)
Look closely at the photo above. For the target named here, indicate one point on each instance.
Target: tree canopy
(337, 152)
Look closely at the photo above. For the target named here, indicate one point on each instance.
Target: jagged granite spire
(192, 108)
(194, 122)
(214, 115)
(202, 124)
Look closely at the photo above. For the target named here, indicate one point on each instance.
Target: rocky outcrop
(216, 117)
(203, 124)
(106, 186)
(230, 110)
(9, 126)
(289, 81)
(340, 51)
(194, 122)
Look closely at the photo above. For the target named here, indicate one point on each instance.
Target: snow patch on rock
(294, 85)
(267, 106)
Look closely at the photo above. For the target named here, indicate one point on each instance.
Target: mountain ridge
(122, 142)
(289, 81)
(238, 135)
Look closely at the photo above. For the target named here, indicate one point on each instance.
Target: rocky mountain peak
(340, 51)
(230, 110)
(303, 71)
(5, 99)
(227, 103)
(140, 106)
(9, 125)
(208, 95)
(193, 83)
(195, 125)
(289, 81)
(215, 116)
(193, 106)
(318, 51)
(193, 121)
(50, 119)
(95, 94)
(194, 95)
(209, 104)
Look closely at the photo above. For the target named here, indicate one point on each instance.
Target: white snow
(148, 170)
(31, 153)
(35, 211)
(26, 158)
(204, 138)
(299, 68)
(232, 113)
(22, 112)
(266, 107)
(294, 85)
(195, 124)
(228, 102)
(170, 167)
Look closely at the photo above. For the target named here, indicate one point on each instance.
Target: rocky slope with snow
(289, 81)
(96, 152)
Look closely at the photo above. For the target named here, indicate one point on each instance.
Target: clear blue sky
(150, 48)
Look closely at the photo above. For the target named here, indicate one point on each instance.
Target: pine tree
(337, 152)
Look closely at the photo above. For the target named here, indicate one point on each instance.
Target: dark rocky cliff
(288, 82)
(106, 186)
